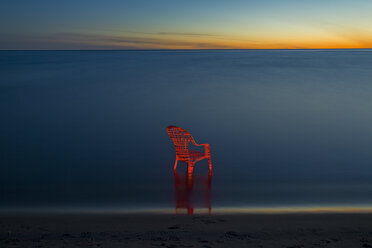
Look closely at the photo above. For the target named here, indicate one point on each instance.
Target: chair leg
(175, 165)
(190, 168)
(190, 211)
(210, 164)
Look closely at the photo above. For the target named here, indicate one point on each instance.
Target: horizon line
(188, 49)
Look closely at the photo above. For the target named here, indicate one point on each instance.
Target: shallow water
(87, 129)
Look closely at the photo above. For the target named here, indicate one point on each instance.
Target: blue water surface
(87, 129)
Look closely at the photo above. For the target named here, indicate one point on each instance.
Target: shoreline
(315, 209)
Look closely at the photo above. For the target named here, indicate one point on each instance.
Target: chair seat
(196, 155)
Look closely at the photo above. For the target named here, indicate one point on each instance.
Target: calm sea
(87, 129)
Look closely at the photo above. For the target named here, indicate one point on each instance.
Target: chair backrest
(181, 139)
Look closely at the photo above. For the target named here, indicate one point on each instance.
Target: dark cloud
(71, 40)
(188, 34)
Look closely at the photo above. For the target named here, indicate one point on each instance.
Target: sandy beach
(166, 230)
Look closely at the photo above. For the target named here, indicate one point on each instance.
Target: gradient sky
(176, 24)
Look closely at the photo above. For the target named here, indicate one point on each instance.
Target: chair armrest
(206, 146)
(201, 144)
(193, 141)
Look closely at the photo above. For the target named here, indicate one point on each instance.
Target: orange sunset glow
(188, 25)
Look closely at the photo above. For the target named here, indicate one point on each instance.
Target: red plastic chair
(181, 139)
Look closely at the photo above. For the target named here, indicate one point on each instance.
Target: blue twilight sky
(140, 24)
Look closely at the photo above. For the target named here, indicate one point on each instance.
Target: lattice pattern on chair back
(181, 139)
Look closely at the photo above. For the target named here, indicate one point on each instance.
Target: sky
(181, 24)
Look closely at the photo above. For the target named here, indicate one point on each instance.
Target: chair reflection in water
(181, 139)
(188, 192)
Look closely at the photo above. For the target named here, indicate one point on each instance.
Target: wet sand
(166, 230)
